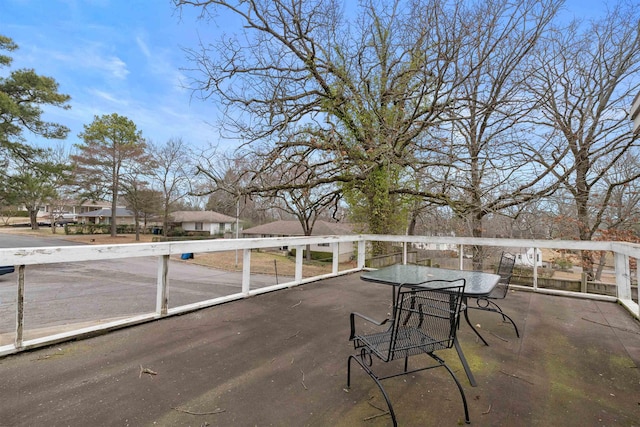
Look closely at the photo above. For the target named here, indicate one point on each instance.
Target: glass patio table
(477, 284)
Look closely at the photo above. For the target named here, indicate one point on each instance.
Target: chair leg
(377, 381)
(515, 327)
(496, 309)
(490, 307)
(460, 389)
(466, 317)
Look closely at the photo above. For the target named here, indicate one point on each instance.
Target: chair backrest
(505, 271)
(426, 317)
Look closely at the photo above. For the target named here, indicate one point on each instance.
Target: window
(198, 226)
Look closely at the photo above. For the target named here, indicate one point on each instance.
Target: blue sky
(125, 56)
(122, 56)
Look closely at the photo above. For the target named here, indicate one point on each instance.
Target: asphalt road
(66, 294)
(9, 240)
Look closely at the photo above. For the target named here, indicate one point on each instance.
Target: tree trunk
(582, 193)
(601, 263)
(137, 226)
(33, 218)
(113, 217)
(380, 208)
(478, 253)
(165, 220)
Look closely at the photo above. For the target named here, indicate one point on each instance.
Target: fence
(35, 258)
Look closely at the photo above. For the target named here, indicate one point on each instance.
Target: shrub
(563, 263)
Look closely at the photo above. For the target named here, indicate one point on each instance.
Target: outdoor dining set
(428, 304)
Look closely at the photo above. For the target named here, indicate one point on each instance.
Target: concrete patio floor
(279, 359)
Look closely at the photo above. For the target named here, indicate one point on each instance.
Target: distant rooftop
(202, 216)
(293, 228)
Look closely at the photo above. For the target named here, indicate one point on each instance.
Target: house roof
(293, 228)
(106, 212)
(202, 216)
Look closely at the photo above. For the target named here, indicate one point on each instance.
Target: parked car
(6, 269)
(63, 222)
(65, 219)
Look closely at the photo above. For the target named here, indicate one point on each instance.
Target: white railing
(24, 258)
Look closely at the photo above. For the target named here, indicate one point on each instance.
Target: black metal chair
(425, 320)
(487, 303)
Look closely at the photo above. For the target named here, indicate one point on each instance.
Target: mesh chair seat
(409, 342)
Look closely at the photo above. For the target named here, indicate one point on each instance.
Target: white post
(623, 276)
(536, 252)
(336, 257)
(246, 271)
(404, 253)
(299, 257)
(461, 257)
(20, 308)
(237, 227)
(361, 254)
(162, 302)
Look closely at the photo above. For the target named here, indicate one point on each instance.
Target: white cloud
(143, 46)
(116, 67)
(106, 96)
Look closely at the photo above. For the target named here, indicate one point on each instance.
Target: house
(320, 228)
(437, 246)
(528, 258)
(103, 216)
(213, 222)
(70, 208)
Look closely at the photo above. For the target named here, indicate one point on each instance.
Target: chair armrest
(362, 316)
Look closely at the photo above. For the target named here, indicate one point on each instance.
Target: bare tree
(622, 213)
(407, 101)
(144, 202)
(585, 79)
(301, 196)
(372, 84)
(226, 178)
(137, 194)
(64, 194)
(479, 166)
(172, 174)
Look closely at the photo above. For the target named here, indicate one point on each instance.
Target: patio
(280, 359)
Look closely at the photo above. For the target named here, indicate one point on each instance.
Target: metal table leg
(472, 380)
